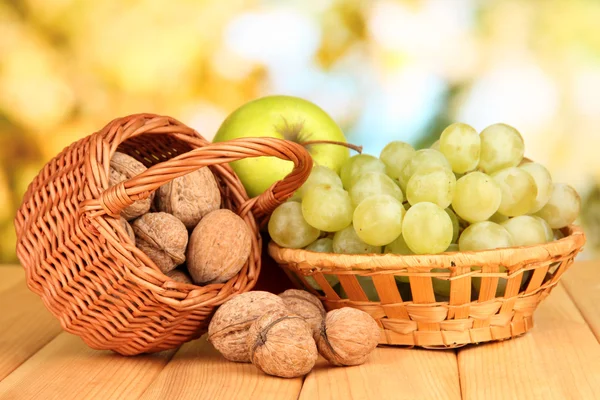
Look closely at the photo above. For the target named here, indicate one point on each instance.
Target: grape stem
(354, 147)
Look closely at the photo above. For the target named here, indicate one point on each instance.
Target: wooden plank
(582, 282)
(198, 371)
(10, 275)
(27, 326)
(558, 359)
(389, 373)
(68, 369)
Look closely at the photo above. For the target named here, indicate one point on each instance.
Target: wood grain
(26, 326)
(582, 282)
(10, 276)
(198, 371)
(558, 359)
(389, 373)
(68, 369)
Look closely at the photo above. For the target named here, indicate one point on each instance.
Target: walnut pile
(347, 336)
(183, 226)
(282, 344)
(306, 305)
(228, 329)
(275, 333)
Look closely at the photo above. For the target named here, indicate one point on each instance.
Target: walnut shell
(127, 228)
(190, 197)
(179, 276)
(306, 305)
(282, 344)
(163, 238)
(122, 168)
(228, 328)
(219, 247)
(348, 336)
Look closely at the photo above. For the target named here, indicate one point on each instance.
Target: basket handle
(118, 197)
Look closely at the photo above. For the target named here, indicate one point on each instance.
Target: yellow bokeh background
(385, 70)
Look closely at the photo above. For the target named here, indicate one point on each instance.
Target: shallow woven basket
(411, 314)
(83, 265)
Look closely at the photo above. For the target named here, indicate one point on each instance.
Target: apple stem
(354, 147)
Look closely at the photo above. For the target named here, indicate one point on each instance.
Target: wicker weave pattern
(89, 273)
(417, 317)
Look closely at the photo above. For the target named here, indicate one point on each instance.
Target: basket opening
(151, 149)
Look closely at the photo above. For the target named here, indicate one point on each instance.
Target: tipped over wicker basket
(80, 260)
(411, 314)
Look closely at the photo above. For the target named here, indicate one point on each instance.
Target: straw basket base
(492, 294)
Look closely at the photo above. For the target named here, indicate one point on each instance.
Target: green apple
(283, 117)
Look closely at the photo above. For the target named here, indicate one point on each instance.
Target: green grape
(395, 155)
(435, 145)
(441, 286)
(347, 241)
(358, 165)
(427, 229)
(288, 228)
(434, 185)
(547, 229)
(563, 207)
(498, 218)
(518, 191)
(455, 224)
(327, 208)
(452, 248)
(378, 219)
(422, 160)
(484, 235)
(398, 246)
(476, 197)
(323, 245)
(501, 147)
(372, 183)
(525, 230)
(543, 182)
(461, 145)
(320, 175)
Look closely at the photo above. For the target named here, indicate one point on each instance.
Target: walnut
(190, 197)
(306, 305)
(127, 228)
(219, 247)
(348, 336)
(163, 238)
(122, 168)
(228, 328)
(179, 276)
(282, 344)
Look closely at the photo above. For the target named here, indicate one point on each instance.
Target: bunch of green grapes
(470, 191)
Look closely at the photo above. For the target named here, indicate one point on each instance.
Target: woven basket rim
(507, 257)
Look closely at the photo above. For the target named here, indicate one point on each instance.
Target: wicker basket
(89, 273)
(411, 314)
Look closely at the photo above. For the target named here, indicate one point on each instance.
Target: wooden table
(558, 359)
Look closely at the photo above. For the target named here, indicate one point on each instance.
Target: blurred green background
(385, 70)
